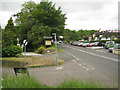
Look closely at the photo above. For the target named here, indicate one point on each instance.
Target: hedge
(11, 51)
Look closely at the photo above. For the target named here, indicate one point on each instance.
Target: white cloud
(105, 17)
(4, 17)
(81, 14)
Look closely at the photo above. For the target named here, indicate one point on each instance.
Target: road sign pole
(24, 54)
(56, 48)
(25, 43)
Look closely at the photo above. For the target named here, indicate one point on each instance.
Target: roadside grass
(74, 83)
(42, 62)
(53, 48)
(30, 62)
(24, 81)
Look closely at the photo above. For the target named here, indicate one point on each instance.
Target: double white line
(94, 54)
(84, 66)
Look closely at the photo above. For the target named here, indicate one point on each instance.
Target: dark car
(100, 44)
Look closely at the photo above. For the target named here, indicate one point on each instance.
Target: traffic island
(43, 62)
(31, 62)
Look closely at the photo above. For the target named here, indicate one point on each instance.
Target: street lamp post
(55, 46)
(25, 43)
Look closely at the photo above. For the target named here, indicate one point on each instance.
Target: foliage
(113, 37)
(10, 25)
(40, 50)
(72, 35)
(9, 34)
(117, 40)
(38, 20)
(11, 51)
(8, 38)
(53, 48)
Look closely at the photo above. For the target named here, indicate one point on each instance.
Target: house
(107, 34)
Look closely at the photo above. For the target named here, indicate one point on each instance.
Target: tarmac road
(80, 63)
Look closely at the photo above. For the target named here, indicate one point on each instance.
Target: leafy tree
(10, 25)
(8, 34)
(113, 37)
(38, 20)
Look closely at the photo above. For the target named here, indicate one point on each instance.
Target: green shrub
(11, 51)
(40, 50)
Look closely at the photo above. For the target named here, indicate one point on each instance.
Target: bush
(40, 50)
(11, 51)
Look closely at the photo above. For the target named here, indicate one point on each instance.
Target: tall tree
(38, 20)
(8, 34)
(10, 25)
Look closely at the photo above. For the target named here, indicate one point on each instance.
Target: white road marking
(58, 68)
(83, 67)
(87, 69)
(101, 51)
(92, 68)
(95, 54)
(84, 64)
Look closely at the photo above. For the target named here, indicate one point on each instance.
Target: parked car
(75, 43)
(80, 44)
(96, 43)
(85, 44)
(117, 46)
(60, 41)
(90, 44)
(100, 44)
(109, 44)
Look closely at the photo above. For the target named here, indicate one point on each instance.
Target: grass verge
(21, 82)
(28, 82)
(74, 83)
(53, 48)
(31, 62)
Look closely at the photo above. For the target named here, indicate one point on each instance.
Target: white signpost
(55, 46)
(25, 44)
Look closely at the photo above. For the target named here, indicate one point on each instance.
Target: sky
(81, 14)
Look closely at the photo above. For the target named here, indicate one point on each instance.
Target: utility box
(48, 41)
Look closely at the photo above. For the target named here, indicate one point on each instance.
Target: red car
(90, 45)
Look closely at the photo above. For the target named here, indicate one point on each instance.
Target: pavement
(100, 47)
(80, 63)
(31, 54)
